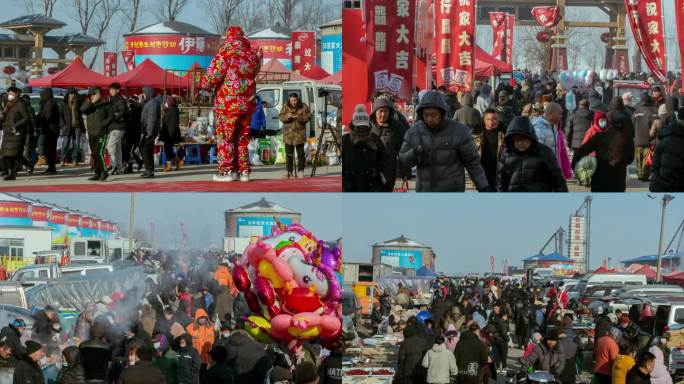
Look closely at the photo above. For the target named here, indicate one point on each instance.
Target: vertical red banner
(510, 27)
(110, 64)
(646, 19)
(128, 59)
(303, 51)
(499, 22)
(455, 51)
(390, 46)
(679, 14)
(425, 37)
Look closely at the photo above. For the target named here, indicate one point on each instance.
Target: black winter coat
(49, 113)
(170, 132)
(392, 136)
(189, 364)
(471, 356)
(363, 159)
(447, 151)
(667, 173)
(219, 374)
(96, 358)
(614, 152)
(411, 352)
(143, 372)
(578, 125)
(99, 117)
(12, 336)
(28, 372)
(569, 348)
(120, 111)
(635, 376)
(15, 120)
(535, 170)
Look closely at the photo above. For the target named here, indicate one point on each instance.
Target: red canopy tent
(335, 78)
(75, 75)
(195, 68)
(648, 271)
(317, 73)
(150, 74)
(276, 67)
(486, 65)
(603, 269)
(675, 278)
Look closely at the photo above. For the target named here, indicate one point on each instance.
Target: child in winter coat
(440, 363)
(623, 363)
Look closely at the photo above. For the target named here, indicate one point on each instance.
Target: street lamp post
(666, 200)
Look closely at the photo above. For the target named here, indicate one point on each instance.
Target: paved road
(190, 178)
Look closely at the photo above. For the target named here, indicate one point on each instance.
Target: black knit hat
(32, 346)
(305, 373)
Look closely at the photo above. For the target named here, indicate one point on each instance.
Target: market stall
(75, 75)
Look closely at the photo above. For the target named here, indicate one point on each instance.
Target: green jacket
(168, 364)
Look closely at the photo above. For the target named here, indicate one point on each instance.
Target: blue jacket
(259, 117)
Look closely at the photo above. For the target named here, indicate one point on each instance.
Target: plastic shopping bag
(584, 170)
(281, 157)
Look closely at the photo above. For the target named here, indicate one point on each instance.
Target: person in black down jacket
(471, 356)
(189, 361)
(170, 133)
(14, 122)
(117, 129)
(132, 136)
(410, 368)
(247, 358)
(11, 334)
(391, 132)
(72, 372)
(643, 119)
(614, 153)
(668, 158)
(49, 118)
(441, 148)
(149, 125)
(578, 124)
(99, 116)
(527, 165)
(28, 370)
(362, 156)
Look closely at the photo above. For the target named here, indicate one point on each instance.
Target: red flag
(646, 19)
(547, 17)
(499, 23)
(390, 42)
(510, 27)
(303, 52)
(455, 51)
(129, 59)
(491, 261)
(679, 13)
(110, 64)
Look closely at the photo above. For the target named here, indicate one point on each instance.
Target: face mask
(11, 97)
(65, 364)
(157, 345)
(226, 334)
(602, 123)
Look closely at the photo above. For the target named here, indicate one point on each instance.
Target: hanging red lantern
(605, 37)
(543, 37)
(9, 70)
(52, 70)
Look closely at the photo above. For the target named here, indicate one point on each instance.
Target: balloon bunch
(581, 78)
(608, 74)
(291, 282)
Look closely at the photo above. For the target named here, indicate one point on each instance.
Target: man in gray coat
(150, 124)
(469, 116)
(441, 148)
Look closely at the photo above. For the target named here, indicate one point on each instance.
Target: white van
(615, 278)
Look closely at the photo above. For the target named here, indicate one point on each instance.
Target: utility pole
(666, 200)
(131, 224)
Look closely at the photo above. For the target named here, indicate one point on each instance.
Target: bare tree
(170, 9)
(223, 12)
(48, 6)
(133, 12)
(285, 10)
(252, 16)
(98, 14)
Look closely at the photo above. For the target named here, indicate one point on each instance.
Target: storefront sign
(331, 53)
(402, 258)
(258, 225)
(39, 213)
(273, 48)
(58, 217)
(303, 51)
(173, 45)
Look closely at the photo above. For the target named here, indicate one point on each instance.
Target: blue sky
(465, 230)
(201, 213)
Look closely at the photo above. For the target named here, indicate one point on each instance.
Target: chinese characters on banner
(547, 17)
(128, 59)
(110, 64)
(646, 19)
(498, 21)
(455, 51)
(510, 27)
(425, 36)
(679, 13)
(390, 42)
(303, 51)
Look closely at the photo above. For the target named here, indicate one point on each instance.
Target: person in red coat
(232, 75)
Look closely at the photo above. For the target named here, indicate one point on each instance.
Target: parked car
(655, 289)
(13, 294)
(599, 291)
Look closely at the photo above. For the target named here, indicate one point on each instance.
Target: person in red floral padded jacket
(232, 75)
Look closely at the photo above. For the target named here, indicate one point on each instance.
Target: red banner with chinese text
(58, 217)
(646, 19)
(110, 64)
(303, 51)
(128, 59)
(425, 37)
(74, 220)
(390, 43)
(679, 13)
(39, 213)
(455, 48)
(14, 209)
(547, 17)
(510, 27)
(498, 21)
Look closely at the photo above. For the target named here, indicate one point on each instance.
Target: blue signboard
(331, 53)
(248, 226)
(403, 258)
